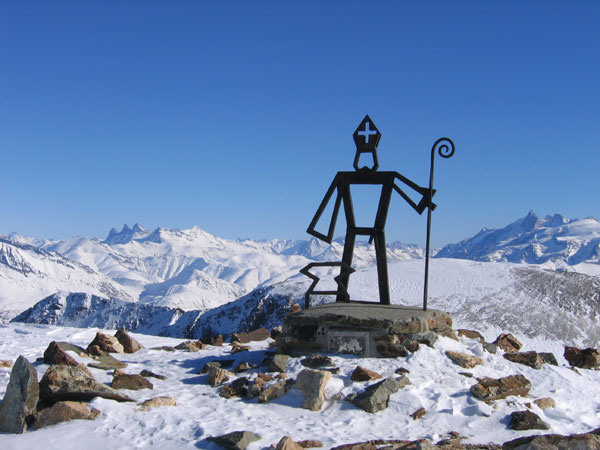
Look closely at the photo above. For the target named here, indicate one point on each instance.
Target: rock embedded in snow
(418, 413)
(122, 380)
(276, 390)
(312, 384)
(279, 363)
(531, 359)
(490, 389)
(362, 374)
(64, 383)
(146, 373)
(157, 402)
(217, 376)
(545, 403)
(310, 443)
(107, 362)
(588, 358)
(508, 343)
(103, 343)
(470, 334)
(526, 420)
(237, 388)
(63, 412)
(256, 335)
(130, 345)
(54, 354)
(6, 363)
(21, 397)
(549, 358)
(191, 346)
(287, 443)
(375, 397)
(464, 360)
(237, 440)
(584, 441)
(316, 361)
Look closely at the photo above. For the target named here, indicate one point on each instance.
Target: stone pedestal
(362, 329)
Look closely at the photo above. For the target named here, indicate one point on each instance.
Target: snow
(436, 385)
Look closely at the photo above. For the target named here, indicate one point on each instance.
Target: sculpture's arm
(311, 228)
(426, 198)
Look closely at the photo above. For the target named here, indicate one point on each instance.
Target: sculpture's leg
(382, 272)
(347, 259)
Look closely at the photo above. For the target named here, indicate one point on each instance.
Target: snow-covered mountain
(28, 273)
(493, 297)
(554, 241)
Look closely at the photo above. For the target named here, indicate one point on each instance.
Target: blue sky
(235, 116)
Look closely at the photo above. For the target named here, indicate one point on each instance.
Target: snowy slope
(555, 241)
(436, 385)
(517, 298)
(28, 273)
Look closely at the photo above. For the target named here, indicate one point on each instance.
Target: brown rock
(531, 359)
(549, 358)
(105, 344)
(21, 397)
(295, 308)
(264, 376)
(526, 420)
(257, 335)
(191, 346)
(286, 443)
(237, 440)
(157, 402)
(508, 343)
(471, 334)
(545, 403)
(310, 443)
(55, 355)
(316, 361)
(236, 347)
(255, 388)
(279, 363)
(242, 367)
(279, 389)
(586, 441)
(147, 373)
(490, 389)
(464, 360)
(362, 374)
(392, 350)
(217, 376)
(130, 345)
(356, 446)
(63, 412)
(588, 358)
(122, 380)
(237, 388)
(418, 413)
(312, 384)
(6, 363)
(107, 362)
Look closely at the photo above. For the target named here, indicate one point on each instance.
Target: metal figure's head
(366, 137)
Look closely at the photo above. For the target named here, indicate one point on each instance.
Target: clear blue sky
(235, 116)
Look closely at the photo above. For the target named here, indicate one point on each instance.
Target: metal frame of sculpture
(366, 137)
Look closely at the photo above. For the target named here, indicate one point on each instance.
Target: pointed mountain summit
(126, 235)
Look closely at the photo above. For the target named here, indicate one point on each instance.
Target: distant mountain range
(194, 270)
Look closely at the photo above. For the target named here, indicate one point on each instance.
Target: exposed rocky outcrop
(20, 398)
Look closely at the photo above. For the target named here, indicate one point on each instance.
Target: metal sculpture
(366, 137)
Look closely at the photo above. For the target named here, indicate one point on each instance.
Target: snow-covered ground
(436, 385)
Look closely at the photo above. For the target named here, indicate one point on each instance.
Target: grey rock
(217, 376)
(237, 388)
(21, 397)
(316, 361)
(237, 440)
(67, 347)
(526, 420)
(63, 412)
(585, 441)
(222, 364)
(549, 358)
(257, 335)
(276, 390)
(279, 363)
(147, 373)
(312, 384)
(531, 359)
(122, 380)
(375, 398)
(489, 347)
(107, 362)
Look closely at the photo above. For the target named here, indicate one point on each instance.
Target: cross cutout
(368, 132)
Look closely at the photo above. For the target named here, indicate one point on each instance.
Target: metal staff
(445, 148)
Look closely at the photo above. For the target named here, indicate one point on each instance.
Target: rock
(356, 446)
(276, 331)
(295, 309)
(427, 338)
(375, 398)
(531, 359)
(392, 350)
(279, 363)
(191, 346)
(471, 334)
(312, 384)
(310, 443)
(508, 343)
(237, 440)
(130, 345)
(362, 374)
(56, 355)
(122, 380)
(6, 363)
(71, 383)
(237, 388)
(21, 397)
(586, 441)
(466, 374)
(279, 389)
(490, 389)
(236, 347)
(264, 376)
(217, 376)
(63, 412)
(257, 335)
(103, 343)
(549, 358)
(107, 362)
(215, 341)
(489, 347)
(545, 403)
(164, 348)
(222, 364)
(287, 443)
(418, 413)
(157, 402)
(401, 371)
(588, 358)
(65, 346)
(242, 367)
(526, 420)
(255, 388)
(147, 373)
(464, 360)
(316, 361)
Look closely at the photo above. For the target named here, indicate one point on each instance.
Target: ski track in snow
(435, 385)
